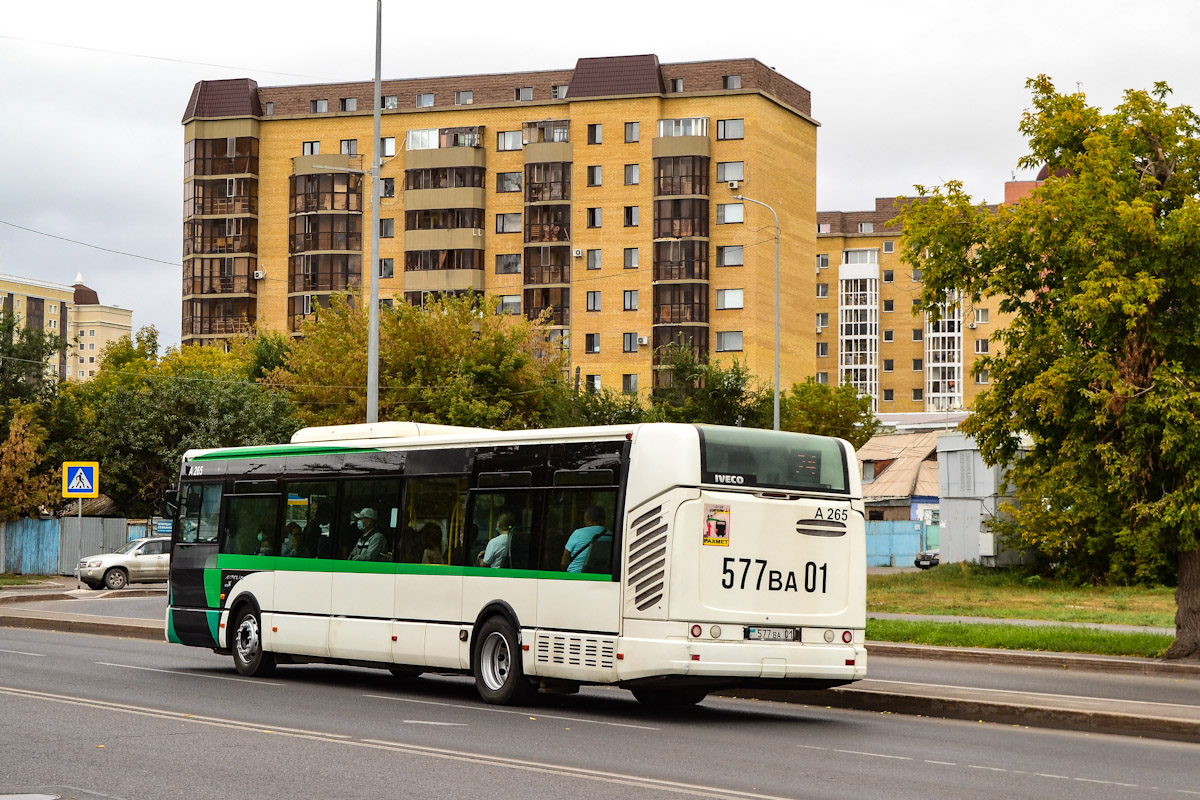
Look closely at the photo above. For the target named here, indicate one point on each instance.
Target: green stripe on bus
(212, 578)
(275, 450)
(214, 620)
(171, 635)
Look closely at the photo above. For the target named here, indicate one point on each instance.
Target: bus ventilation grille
(576, 651)
(648, 558)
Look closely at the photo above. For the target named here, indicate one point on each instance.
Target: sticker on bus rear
(716, 525)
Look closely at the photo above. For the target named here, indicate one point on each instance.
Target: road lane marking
(434, 722)
(560, 770)
(1028, 694)
(1108, 783)
(1044, 775)
(989, 769)
(23, 653)
(873, 755)
(943, 763)
(509, 711)
(193, 674)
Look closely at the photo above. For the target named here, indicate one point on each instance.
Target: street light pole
(745, 199)
(376, 193)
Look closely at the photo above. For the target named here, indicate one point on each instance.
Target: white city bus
(668, 559)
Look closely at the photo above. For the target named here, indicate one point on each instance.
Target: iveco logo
(738, 479)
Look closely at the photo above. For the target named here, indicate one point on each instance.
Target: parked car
(139, 561)
(928, 558)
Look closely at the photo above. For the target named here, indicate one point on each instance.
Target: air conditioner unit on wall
(578, 252)
(643, 340)
(734, 184)
(259, 274)
(971, 325)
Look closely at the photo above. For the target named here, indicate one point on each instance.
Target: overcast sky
(906, 92)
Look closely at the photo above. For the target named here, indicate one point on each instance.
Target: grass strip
(1019, 637)
(13, 579)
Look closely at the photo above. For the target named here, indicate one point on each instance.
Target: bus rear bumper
(765, 661)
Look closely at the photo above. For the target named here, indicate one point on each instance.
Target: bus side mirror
(170, 504)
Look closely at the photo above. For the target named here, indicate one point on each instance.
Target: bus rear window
(770, 459)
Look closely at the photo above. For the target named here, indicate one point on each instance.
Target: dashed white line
(435, 722)
(255, 681)
(1029, 694)
(811, 747)
(1045, 775)
(23, 653)
(873, 755)
(509, 711)
(943, 763)
(1108, 783)
(989, 769)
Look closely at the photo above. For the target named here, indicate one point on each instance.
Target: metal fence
(54, 546)
(894, 544)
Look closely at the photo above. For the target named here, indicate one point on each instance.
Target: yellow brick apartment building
(603, 194)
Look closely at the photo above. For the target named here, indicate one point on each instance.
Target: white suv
(139, 561)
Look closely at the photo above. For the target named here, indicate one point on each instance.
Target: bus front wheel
(249, 658)
(669, 698)
(499, 674)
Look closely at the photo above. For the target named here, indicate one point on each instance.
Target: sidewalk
(1095, 715)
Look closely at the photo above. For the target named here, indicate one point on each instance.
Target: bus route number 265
(753, 573)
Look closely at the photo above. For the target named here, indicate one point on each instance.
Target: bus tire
(677, 697)
(497, 664)
(249, 658)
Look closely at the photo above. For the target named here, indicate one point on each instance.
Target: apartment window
(629, 383)
(388, 188)
(822, 349)
(90, 332)
(889, 335)
(631, 216)
(889, 246)
(731, 171)
(866, 227)
(731, 81)
(981, 316)
(424, 99)
(918, 395)
(594, 176)
(593, 301)
(558, 92)
(916, 303)
(269, 111)
(822, 290)
(729, 298)
(889, 365)
(592, 383)
(632, 131)
(730, 256)
(730, 212)
(349, 147)
(387, 268)
(675, 85)
(311, 148)
(631, 258)
(731, 129)
(916, 275)
(591, 343)
(508, 140)
(631, 174)
(918, 364)
(387, 146)
(889, 395)
(593, 259)
(508, 264)
(595, 134)
(629, 342)
(918, 335)
(981, 347)
(982, 376)
(387, 228)
(593, 218)
(888, 276)
(523, 93)
(425, 139)
(391, 101)
(508, 223)
(822, 320)
(508, 182)
(631, 300)
(729, 341)
(823, 378)
(91, 345)
(510, 304)
(822, 261)
(318, 106)
(889, 305)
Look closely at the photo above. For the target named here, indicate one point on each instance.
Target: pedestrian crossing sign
(81, 479)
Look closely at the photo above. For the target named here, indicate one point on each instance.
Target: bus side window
(200, 512)
(311, 506)
(580, 525)
(507, 528)
(432, 524)
(369, 520)
(252, 527)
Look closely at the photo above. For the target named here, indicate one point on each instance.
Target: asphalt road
(94, 716)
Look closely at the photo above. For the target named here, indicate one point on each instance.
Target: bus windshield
(771, 459)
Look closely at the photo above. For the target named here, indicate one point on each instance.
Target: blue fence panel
(31, 547)
(136, 530)
(893, 544)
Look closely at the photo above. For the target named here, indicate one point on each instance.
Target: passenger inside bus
(496, 555)
(371, 541)
(431, 539)
(582, 540)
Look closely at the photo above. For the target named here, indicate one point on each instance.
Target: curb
(128, 630)
(61, 594)
(1030, 658)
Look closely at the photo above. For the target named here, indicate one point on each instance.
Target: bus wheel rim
(247, 639)
(496, 662)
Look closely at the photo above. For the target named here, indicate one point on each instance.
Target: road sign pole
(84, 482)
(78, 540)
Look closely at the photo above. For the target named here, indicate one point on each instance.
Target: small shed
(900, 475)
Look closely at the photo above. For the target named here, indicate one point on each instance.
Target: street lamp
(373, 313)
(745, 199)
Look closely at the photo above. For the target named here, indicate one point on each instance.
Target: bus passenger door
(576, 590)
(303, 570)
(364, 570)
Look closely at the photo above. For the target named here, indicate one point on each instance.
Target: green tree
(24, 353)
(1100, 366)
(694, 390)
(142, 411)
(455, 362)
(825, 410)
(26, 475)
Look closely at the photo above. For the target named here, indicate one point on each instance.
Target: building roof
(616, 75)
(923, 420)
(237, 97)
(913, 470)
(84, 295)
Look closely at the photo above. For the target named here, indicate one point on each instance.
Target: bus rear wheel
(679, 697)
(497, 664)
(249, 658)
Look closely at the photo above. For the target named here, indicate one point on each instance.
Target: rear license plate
(771, 634)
